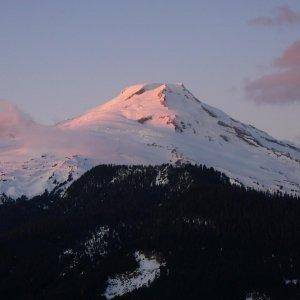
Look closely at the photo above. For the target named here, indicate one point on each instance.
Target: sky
(61, 58)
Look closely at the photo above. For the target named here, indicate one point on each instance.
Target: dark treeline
(218, 241)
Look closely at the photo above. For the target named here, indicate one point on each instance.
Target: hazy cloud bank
(281, 86)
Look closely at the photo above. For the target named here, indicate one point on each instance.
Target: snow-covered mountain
(154, 124)
(297, 141)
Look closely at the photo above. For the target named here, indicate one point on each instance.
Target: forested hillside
(211, 239)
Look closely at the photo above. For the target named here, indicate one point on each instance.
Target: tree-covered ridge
(219, 241)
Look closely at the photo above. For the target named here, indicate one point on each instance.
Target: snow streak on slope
(158, 123)
(143, 276)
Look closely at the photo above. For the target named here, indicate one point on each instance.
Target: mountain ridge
(165, 123)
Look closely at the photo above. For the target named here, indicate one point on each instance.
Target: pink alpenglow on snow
(145, 124)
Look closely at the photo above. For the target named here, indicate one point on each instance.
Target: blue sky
(60, 58)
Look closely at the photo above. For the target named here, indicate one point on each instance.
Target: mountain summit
(169, 106)
(165, 123)
(157, 105)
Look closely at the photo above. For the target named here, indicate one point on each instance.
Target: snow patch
(96, 244)
(162, 177)
(143, 276)
(254, 295)
(292, 281)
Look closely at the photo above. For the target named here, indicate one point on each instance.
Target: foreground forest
(217, 240)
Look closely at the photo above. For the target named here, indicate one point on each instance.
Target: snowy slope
(157, 123)
(46, 172)
(178, 127)
(297, 141)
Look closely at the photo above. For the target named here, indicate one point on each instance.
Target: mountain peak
(165, 123)
(152, 86)
(158, 104)
(158, 88)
